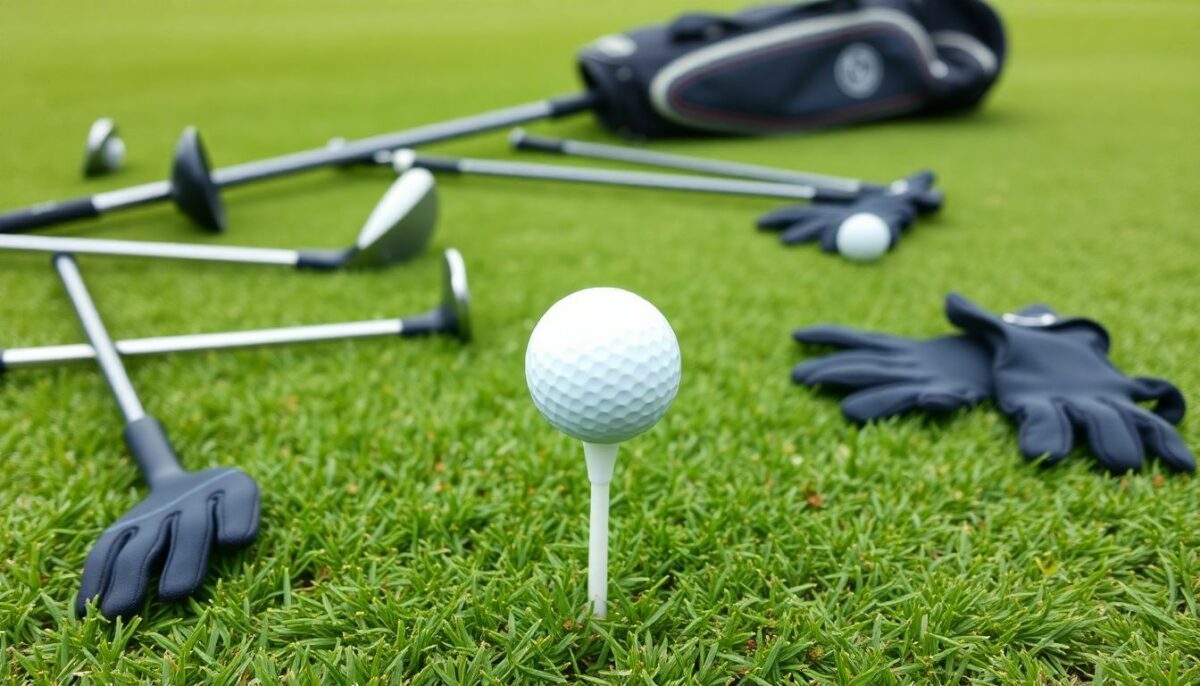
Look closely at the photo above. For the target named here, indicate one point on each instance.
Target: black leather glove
(1057, 379)
(890, 375)
(172, 530)
(897, 205)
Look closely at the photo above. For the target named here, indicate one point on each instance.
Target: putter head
(452, 316)
(401, 224)
(192, 187)
(105, 152)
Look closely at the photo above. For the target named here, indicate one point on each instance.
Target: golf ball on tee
(603, 365)
(863, 237)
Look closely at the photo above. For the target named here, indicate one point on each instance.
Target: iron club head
(452, 316)
(397, 229)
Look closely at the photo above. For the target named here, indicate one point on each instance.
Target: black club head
(192, 186)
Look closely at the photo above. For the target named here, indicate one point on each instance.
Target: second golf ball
(603, 365)
(863, 237)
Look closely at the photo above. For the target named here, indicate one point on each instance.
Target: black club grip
(47, 214)
(525, 141)
(150, 447)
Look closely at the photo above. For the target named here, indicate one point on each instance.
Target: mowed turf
(422, 524)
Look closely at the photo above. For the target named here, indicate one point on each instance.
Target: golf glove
(890, 375)
(897, 205)
(1055, 379)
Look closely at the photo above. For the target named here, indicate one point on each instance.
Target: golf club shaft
(175, 251)
(51, 355)
(106, 352)
(51, 213)
(620, 153)
(609, 177)
(364, 149)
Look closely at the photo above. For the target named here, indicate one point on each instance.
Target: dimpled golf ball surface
(603, 365)
(863, 237)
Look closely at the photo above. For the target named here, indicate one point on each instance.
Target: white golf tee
(601, 458)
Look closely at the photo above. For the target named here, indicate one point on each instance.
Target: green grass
(423, 525)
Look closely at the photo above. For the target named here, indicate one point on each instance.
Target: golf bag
(775, 69)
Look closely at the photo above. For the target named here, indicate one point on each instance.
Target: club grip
(565, 105)
(148, 443)
(525, 141)
(438, 164)
(47, 214)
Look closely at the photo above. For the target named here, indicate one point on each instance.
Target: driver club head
(401, 224)
(105, 151)
(192, 187)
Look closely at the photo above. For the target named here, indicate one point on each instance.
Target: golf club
(185, 514)
(190, 188)
(105, 151)
(196, 190)
(398, 228)
(928, 200)
(451, 317)
(403, 160)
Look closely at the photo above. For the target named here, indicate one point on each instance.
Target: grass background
(423, 525)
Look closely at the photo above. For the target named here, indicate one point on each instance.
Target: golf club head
(105, 150)
(456, 303)
(452, 316)
(401, 224)
(170, 533)
(192, 187)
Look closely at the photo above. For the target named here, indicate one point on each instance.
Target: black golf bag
(782, 68)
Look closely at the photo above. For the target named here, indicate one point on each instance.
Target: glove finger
(805, 231)
(786, 216)
(237, 510)
(97, 570)
(187, 559)
(805, 371)
(1169, 403)
(836, 336)
(942, 399)
(879, 402)
(829, 237)
(858, 375)
(973, 319)
(1162, 439)
(1044, 429)
(131, 570)
(1113, 438)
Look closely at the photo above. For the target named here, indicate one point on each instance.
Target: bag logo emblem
(858, 70)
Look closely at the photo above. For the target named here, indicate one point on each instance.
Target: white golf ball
(603, 365)
(863, 237)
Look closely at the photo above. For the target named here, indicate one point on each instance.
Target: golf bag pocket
(794, 67)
